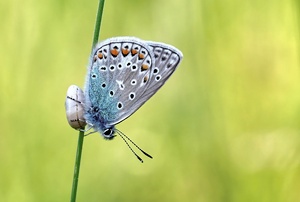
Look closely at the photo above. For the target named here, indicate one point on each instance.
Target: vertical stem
(98, 22)
(77, 166)
(81, 133)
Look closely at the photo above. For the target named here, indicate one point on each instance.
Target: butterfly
(123, 73)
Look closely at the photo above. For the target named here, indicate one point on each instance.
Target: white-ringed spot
(158, 77)
(133, 82)
(112, 68)
(119, 105)
(120, 66)
(131, 96)
(155, 70)
(134, 67)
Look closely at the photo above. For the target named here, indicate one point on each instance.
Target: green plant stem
(81, 133)
(98, 22)
(77, 166)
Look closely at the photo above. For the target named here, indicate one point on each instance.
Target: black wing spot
(158, 77)
(131, 96)
(134, 67)
(112, 67)
(103, 68)
(120, 105)
(133, 82)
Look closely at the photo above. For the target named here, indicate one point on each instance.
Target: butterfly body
(123, 73)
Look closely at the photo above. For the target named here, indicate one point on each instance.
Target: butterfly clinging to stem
(123, 73)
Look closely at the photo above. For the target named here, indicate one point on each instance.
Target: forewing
(164, 61)
(119, 72)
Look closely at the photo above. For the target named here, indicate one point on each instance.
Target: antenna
(122, 135)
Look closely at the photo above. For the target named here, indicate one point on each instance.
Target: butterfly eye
(108, 133)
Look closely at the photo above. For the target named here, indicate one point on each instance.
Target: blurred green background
(225, 127)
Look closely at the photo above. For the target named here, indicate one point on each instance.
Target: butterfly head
(109, 133)
(96, 121)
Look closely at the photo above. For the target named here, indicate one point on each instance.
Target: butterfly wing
(166, 61)
(124, 73)
(118, 73)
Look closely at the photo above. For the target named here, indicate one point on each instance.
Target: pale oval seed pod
(74, 107)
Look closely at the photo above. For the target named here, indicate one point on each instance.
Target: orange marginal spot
(114, 52)
(145, 79)
(125, 51)
(141, 56)
(144, 67)
(100, 55)
(133, 51)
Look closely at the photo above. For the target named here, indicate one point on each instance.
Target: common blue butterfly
(123, 73)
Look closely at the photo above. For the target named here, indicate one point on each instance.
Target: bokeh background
(225, 127)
